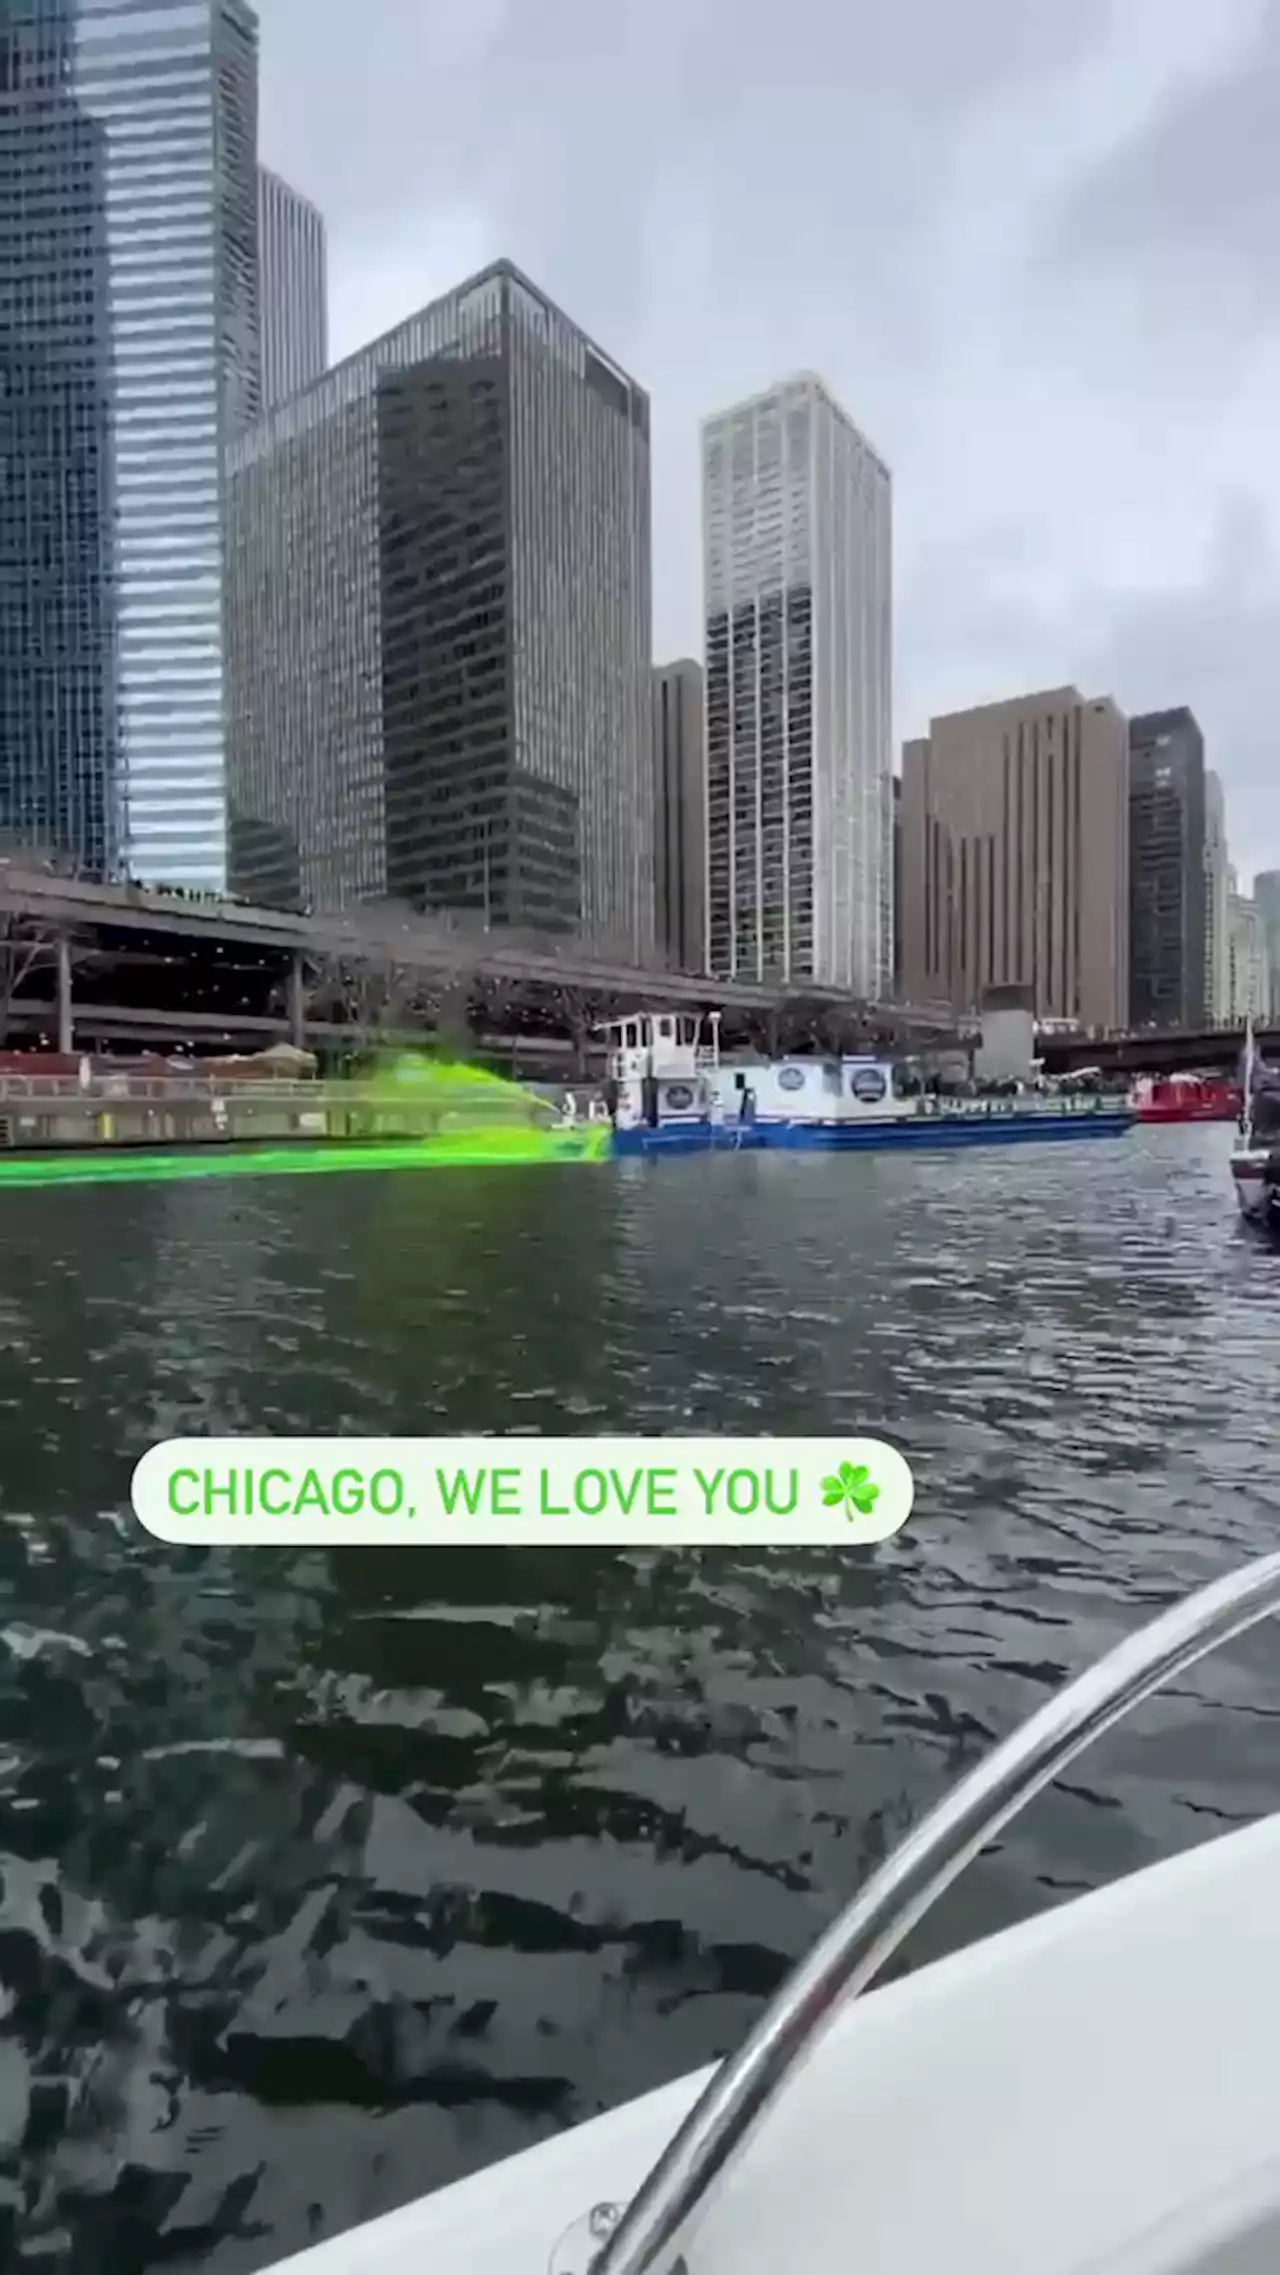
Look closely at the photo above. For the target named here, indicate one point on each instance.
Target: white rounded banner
(523, 1492)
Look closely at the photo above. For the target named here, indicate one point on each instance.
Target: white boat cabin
(693, 1082)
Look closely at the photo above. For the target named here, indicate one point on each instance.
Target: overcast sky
(1032, 245)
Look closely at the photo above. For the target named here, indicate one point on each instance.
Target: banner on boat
(523, 1492)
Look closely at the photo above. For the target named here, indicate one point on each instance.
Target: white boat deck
(1092, 2093)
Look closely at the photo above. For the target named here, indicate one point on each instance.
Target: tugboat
(671, 1093)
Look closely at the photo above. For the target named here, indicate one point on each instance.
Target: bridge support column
(297, 1002)
(66, 1008)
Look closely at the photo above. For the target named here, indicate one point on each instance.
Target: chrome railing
(652, 2235)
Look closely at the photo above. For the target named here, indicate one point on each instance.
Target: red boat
(1187, 1098)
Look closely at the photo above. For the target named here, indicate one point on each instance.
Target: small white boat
(1255, 1158)
(1091, 2093)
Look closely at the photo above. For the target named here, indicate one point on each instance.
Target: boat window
(904, 1082)
(664, 1030)
(629, 1034)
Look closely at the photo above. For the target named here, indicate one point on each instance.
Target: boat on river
(1088, 2093)
(671, 1093)
(1255, 1158)
(1186, 1098)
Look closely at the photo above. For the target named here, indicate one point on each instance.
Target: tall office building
(797, 514)
(440, 627)
(129, 340)
(1166, 870)
(1217, 898)
(895, 914)
(1266, 893)
(1248, 977)
(1015, 857)
(293, 289)
(59, 748)
(680, 816)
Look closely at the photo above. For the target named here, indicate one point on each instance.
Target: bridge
(121, 963)
(1161, 1050)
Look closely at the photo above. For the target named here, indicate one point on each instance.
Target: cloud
(1031, 249)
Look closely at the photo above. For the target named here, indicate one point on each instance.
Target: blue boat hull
(925, 1133)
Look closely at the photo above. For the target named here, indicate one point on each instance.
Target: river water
(327, 1878)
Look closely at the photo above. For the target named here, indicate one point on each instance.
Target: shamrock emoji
(854, 1488)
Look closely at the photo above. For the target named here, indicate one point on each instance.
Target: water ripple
(324, 1879)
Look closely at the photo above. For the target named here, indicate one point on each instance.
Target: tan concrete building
(1015, 857)
(680, 814)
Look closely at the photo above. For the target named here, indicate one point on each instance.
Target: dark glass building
(439, 627)
(59, 751)
(129, 354)
(1167, 962)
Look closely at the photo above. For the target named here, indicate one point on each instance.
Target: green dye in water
(489, 1149)
(476, 1120)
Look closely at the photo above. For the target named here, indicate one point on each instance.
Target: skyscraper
(1248, 979)
(440, 627)
(1266, 892)
(59, 751)
(1217, 903)
(1015, 857)
(129, 326)
(681, 816)
(293, 289)
(1166, 870)
(796, 552)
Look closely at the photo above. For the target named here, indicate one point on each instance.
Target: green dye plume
(460, 1117)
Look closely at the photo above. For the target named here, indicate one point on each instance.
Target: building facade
(129, 337)
(680, 817)
(1015, 858)
(895, 915)
(293, 289)
(1266, 893)
(1248, 978)
(1217, 903)
(440, 628)
(1166, 870)
(797, 515)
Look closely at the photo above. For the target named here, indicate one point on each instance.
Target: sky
(1033, 246)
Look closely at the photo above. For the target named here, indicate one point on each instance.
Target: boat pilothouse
(661, 1074)
(659, 1069)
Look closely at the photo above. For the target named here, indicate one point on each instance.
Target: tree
(25, 946)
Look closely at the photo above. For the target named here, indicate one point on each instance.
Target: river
(326, 1878)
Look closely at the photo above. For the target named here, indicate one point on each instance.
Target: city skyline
(127, 736)
(1022, 252)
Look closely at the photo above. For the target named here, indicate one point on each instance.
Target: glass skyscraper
(439, 632)
(797, 513)
(129, 357)
(293, 291)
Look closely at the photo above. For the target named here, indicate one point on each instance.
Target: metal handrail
(653, 2232)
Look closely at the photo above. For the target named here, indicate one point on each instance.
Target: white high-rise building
(1248, 982)
(1217, 904)
(293, 289)
(797, 512)
(1266, 892)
